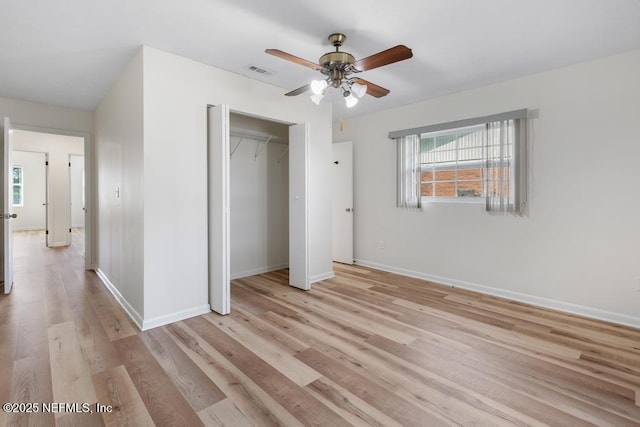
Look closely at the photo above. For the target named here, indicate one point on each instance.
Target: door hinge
(47, 232)
(46, 163)
(69, 164)
(69, 230)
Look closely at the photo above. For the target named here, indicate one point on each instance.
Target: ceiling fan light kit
(339, 65)
(318, 86)
(317, 97)
(349, 99)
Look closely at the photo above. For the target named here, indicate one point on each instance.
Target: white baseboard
(175, 317)
(133, 314)
(32, 228)
(322, 276)
(260, 270)
(590, 312)
(59, 244)
(144, 324)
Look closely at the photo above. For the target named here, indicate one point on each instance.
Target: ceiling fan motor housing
(337, 64)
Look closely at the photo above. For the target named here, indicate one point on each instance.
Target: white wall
(119, 149)
(578, 248)
(24, 113)
(176, 94)
(31, 215)
(59, 148)
(259, 213)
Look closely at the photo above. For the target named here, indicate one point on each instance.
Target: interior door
(299, 206)
(218, 197)
(7, 211)
(343, 202)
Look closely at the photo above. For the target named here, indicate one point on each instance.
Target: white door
(7, 211)
(218, 195)
(343, 202)
(299, 206)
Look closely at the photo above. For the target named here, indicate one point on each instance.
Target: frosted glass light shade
(350, 100)
(358, 89)
(316, 98)
(318, 86)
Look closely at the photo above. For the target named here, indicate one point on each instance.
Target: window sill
(461, 200)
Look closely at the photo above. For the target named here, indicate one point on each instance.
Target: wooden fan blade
(300, 90)
(373, 89)
(386, 57)
(292, 58)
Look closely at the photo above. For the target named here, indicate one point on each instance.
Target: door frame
(90, 195)
(7, 207)
(218, 179)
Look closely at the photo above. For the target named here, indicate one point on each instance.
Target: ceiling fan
(338, 66)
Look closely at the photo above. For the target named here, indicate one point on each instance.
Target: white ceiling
(69, 52)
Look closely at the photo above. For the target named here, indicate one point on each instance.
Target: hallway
(59, 316)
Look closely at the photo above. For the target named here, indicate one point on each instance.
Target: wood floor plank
(114, 387)
(483, 382)
(270, 332)
(113, 319)
(277, 356)
(84, 419)
(253, 302)
(165, 403)
(8, 339)
(56, 302)
(71, 377)
(431, 392)
(32, 330)
(384, 400)
(351, 407)
(291, 396)
(369, 324)
(98, 350)
(225, 413)
(261, 408)
(194, 385)
(31, 383)
(573, 397)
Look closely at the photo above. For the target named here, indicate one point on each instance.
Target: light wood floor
(365, 348)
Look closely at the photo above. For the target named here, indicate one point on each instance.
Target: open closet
(258, 197)
(259, 189)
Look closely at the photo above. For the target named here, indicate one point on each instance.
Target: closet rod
(256, 136)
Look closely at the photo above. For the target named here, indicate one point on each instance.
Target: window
(451, 163)
(480, 159)
(18, 186)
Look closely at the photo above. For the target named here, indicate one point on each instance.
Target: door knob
(348, 209)
(9, 216)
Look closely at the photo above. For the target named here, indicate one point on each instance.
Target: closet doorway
(258, 197)
(258, 201)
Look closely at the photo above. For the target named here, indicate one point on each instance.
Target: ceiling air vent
(259, 70)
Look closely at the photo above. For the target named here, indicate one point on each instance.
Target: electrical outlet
(381, 244)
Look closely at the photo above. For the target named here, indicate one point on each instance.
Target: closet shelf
(263, 139)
